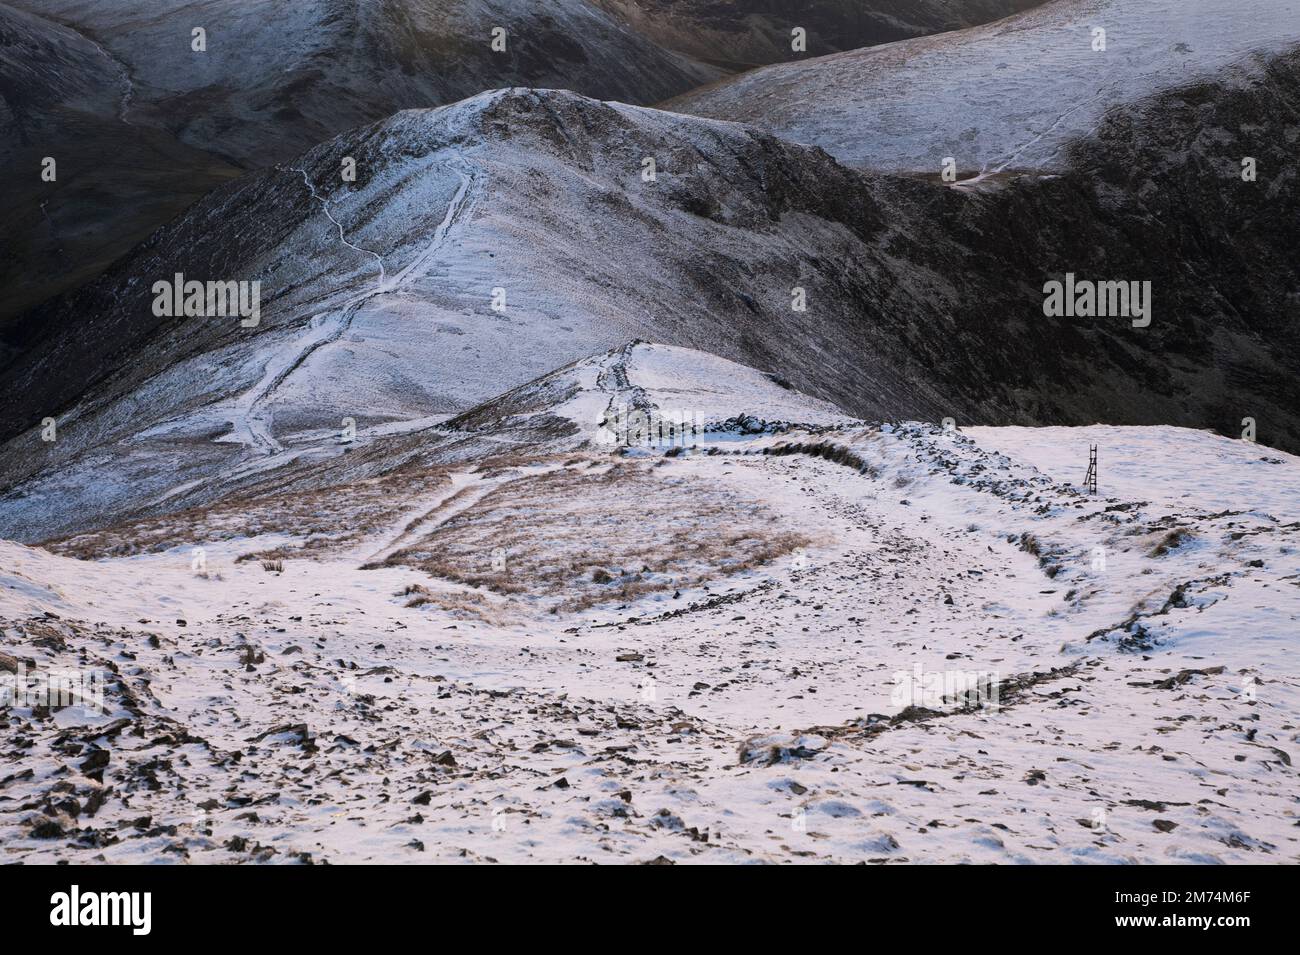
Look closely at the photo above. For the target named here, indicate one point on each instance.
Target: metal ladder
(1090, 480)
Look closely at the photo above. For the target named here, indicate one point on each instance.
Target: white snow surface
(1008, 95)
(685, 385)
(753, 718)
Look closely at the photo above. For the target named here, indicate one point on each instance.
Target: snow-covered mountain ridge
(1005, 96)
(922, 302)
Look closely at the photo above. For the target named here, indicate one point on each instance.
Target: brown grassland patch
(577, 538)
(325, 520)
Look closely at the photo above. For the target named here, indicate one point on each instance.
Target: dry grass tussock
(571, 539)
(323, 520)
(462, 605)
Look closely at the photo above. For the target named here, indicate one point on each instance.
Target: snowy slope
(340, 709)
(154, 124)
(1008, 95)
(708, 392)
(581, 406)
(490, 626)
(379, 295)
(1208, 470)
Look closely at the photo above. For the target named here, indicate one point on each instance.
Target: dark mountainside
(61, 97)
(741, 34)
(1157, 195)
(144, 126)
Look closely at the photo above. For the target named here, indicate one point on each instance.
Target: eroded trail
(325, 207)
(253, 423)
(124, 71)
(465, 489)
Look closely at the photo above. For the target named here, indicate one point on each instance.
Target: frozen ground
(1005, 96)
(1148, 692)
